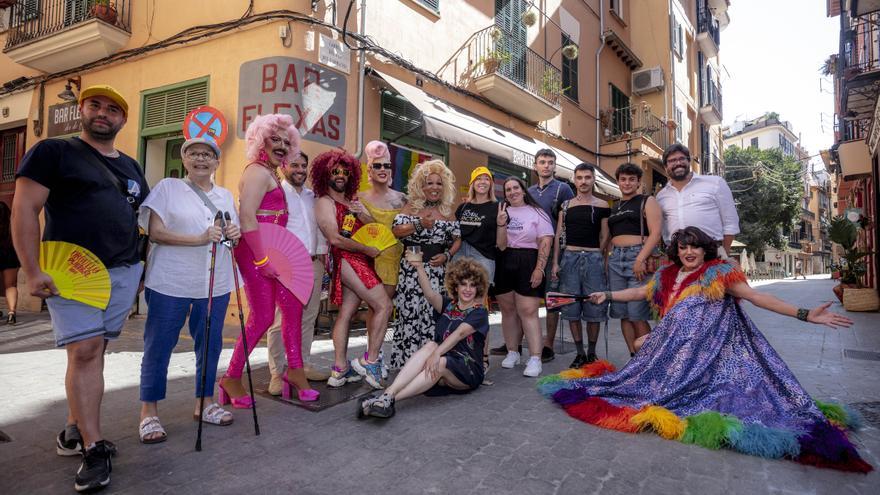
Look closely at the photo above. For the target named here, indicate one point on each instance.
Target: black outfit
(510, 275)
(626, 216)
(478, 223)
(583, 225)
(465, 360)
(8, 258)
(84, 207)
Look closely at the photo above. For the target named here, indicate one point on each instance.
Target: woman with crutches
(272, 141)
(180, 216)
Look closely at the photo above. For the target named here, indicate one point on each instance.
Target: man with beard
(90, 192)
(301, 221)
(694, 200)
(335, 178)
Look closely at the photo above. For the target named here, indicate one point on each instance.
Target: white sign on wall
(334, 53)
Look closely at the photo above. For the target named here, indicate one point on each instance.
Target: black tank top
(625, 216)
(583, 225)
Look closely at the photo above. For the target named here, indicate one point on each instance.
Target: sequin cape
(707, 376)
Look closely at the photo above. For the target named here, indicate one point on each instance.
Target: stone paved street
(501, 439)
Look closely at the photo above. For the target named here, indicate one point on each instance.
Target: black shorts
(513, 272)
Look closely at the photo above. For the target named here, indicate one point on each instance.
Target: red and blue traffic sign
(206, 122)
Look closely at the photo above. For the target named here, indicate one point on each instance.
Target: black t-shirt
(478, 226)
(84, 207)
(583, 225)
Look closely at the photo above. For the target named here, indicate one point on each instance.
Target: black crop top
(583, 225)
(624, 218)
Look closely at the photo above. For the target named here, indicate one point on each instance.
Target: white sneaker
(533, 367)
(511, 360)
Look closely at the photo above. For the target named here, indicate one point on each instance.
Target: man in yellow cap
(90, 192)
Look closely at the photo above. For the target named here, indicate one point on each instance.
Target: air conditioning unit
(647, 81)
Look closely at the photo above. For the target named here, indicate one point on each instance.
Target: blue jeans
(620, 276)
(583, 272)
(165, 318)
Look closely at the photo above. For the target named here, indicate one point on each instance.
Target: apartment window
(679, 125)
(621, 121)
(754, 143)
(433, 5)
(616, 7)
(11, 151)
(677, 37)
(569, 73)
(25, 11)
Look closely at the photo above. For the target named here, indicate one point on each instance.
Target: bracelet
(448, 256)
(608, 296)
(262, 261)
(417, 224)
(802, 314)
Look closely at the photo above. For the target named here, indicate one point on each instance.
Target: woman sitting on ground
(451, 363)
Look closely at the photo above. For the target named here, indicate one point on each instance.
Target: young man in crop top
(581, 235)
(634, 228)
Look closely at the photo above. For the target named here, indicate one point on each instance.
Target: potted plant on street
(851, 268)
(104, 10)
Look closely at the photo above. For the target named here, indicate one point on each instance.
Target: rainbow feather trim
(711, 281)
(824, 444)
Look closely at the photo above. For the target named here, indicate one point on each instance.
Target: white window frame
(616, 7)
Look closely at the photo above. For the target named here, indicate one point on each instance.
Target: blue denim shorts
(73, 321)
(620, 276)
(583, 273)
(468, 251)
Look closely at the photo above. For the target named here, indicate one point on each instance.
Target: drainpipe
(362, 75)
(598, 53)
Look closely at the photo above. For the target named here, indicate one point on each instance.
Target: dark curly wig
(327, 161)
(466, 269)
(691, 236)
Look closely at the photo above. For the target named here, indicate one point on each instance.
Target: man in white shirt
(694, 200)
(301, 221)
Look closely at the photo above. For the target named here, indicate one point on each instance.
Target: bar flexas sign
(313, 95)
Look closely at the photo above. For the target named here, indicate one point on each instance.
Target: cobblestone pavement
(502, 439)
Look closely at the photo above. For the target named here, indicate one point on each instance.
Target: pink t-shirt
(527, 224)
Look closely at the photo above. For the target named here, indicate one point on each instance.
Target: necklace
(113, 154)
(431, 204)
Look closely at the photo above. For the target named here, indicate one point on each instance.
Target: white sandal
(215, 415)
(150, 425)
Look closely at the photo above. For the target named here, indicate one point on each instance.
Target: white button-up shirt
(301, 218)
(705, 202)
(183, 271)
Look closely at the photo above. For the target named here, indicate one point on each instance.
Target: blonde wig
(419, 177)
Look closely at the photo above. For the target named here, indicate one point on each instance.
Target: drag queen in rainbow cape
(705, 375)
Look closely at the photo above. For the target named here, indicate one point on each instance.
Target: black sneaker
(579, 360)
(501, 350)
(94, 472)
(591, 357)
(547, 354)
(68, 443)
(382, 407)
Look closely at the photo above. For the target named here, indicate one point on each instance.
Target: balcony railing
(497, 51)
(638, 121)
(30, 20)
(860, 46)
(708, 24)
(712, 96)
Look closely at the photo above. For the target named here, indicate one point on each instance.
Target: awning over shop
(456, 126)
(854, 158)
(14, 108)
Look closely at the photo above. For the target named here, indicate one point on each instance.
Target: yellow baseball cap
(478, 172)
(107, 91)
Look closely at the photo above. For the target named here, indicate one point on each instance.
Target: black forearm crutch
(207, 337)
(247, 359)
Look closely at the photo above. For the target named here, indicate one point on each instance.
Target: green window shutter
(398, 116)
(171, 106)
(431, 4)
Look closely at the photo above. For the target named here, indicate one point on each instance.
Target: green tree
(768, 188)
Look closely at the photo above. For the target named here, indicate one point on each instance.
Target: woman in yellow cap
(477, 218)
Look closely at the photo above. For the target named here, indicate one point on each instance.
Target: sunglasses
(340, 171)
(380, 166)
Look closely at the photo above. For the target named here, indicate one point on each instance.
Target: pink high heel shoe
(243, 402)
(307, 395)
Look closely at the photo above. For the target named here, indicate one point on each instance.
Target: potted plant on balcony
(851, 268)
(104, 10)
(551, 85)
(493, 59)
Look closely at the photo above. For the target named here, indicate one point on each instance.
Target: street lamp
(68, 94)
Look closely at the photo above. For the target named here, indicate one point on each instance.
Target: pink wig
(262, 127)
(376, 150)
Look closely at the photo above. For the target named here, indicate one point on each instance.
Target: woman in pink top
(525, 236)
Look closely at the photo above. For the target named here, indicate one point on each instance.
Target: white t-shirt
(183, 271)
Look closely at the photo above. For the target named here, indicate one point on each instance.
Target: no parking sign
(206, 122)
